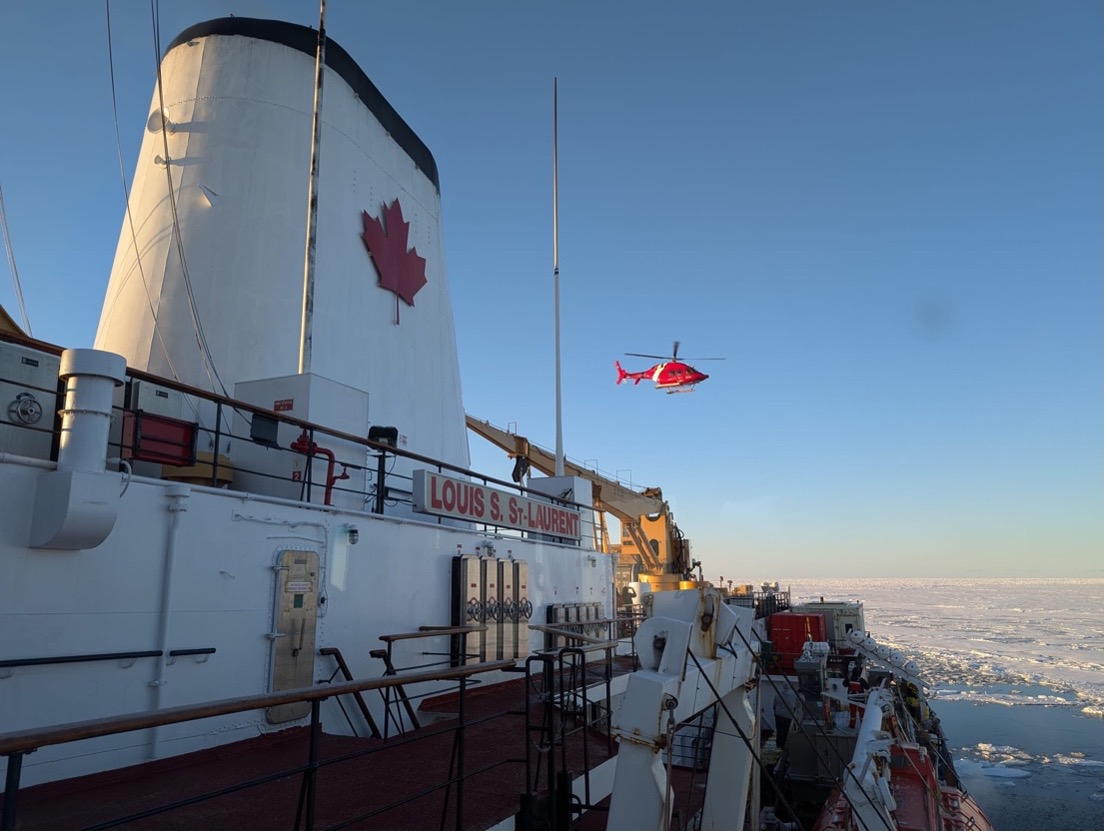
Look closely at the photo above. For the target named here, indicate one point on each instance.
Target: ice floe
(969, 768)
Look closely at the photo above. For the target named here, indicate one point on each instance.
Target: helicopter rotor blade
(676, 343)
(678, 358)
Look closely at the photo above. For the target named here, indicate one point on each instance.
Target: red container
(158, 439)
(789, 631)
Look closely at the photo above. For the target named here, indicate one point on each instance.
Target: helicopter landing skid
(688, 390)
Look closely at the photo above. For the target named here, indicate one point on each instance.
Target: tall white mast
(305, 364)
(560, 469)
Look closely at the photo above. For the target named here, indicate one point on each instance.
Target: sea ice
(1016, 662)
(967, 767)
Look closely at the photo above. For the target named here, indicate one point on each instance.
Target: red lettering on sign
(481, 503)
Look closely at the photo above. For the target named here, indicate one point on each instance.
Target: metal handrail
(386, 656)
(341, 662)
(314, 429)
(595, 643)
(283, 417)
(83, 658)
(76, 658)
(24, 740)
(17, 744)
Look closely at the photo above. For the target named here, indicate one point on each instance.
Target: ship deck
(402, 783)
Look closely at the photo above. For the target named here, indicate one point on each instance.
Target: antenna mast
(560, 469)
(305, 364)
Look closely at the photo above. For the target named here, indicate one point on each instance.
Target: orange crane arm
(608, 496)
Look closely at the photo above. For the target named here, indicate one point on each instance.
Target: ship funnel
(207, 285)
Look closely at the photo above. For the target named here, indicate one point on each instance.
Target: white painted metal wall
(241, 110)
(54, 603)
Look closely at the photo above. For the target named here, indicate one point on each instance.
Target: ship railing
(592, 667)
(560, 680)
(765, 603)
(396, 696)
(15, 746)
(341, 668)
(170, 430)
(620, 630)
(628, 617)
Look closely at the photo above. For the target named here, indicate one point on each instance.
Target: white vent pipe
(90, 376)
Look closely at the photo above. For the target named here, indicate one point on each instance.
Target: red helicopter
(672, 373)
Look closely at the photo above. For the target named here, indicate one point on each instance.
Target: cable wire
(198, 330)
(756, 758)
(127, 200)
(11, 265)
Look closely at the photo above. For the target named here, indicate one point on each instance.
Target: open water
(1016, 672)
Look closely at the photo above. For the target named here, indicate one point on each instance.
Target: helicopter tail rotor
(621, 374)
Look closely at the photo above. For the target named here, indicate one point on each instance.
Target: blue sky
(887, 216)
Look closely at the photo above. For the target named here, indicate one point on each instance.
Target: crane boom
(667, 553)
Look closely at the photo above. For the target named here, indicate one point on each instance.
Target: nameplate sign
(436, 494)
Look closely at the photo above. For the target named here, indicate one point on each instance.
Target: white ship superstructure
(219, 560)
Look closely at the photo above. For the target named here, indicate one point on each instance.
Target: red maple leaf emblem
(399, 269)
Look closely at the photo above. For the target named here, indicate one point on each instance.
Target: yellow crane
(650, 540)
